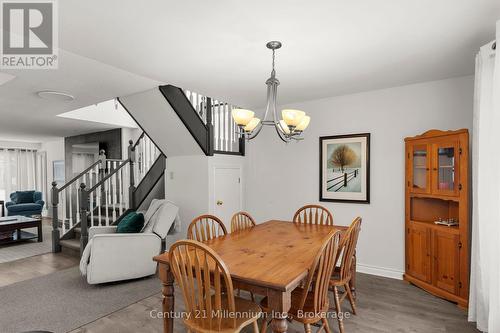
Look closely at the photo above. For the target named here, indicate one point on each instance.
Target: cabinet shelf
(430, 224)
(434, 196)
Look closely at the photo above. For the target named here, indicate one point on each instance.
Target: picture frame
(344, 168)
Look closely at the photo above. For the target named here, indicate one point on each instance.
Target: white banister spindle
(70, 207)
(114, 189)
(150, 154)
(120, 191)
(106, 194)
(63, 201)
(226, 126)
(218, 146)
(91, 207)
(99, 204)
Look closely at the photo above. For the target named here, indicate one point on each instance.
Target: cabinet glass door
(419, 177)
(445, 168)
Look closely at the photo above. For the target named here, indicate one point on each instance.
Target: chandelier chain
(273, 60)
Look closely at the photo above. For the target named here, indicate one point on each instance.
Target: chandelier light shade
(293, 122)
(303, 124)
(284, 127)
(242, 117)
(292, 117)
(252, 124)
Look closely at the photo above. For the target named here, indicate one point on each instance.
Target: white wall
(283, 177)
(187, 185)
(163, 125)
(55, 152)
(129, 134)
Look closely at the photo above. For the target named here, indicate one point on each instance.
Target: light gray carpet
(30, 248)
(63, 301)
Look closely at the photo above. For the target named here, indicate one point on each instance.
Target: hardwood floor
(384, 305)
(31, 267)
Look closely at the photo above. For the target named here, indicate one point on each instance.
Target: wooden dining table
(270, 259)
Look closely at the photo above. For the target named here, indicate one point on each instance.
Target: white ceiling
(332, 47)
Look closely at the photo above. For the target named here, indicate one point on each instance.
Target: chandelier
(290, 127)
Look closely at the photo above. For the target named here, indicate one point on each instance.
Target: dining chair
(313, 214)
(207, 289)
(342, 275)
(241, 221)
(206, 227)
(309, 304)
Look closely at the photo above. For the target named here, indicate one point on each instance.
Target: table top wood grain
(274, 254)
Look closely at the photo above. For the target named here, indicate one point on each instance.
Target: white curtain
(484, 299)
(18, 171)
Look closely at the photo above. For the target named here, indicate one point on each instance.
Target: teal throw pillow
(131, 223)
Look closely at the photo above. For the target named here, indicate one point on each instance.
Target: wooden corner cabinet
(437, 179)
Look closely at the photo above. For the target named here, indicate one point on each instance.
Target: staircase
(180, 122)
(103, 193)
(197, 124)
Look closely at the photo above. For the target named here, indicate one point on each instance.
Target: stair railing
(144, 153)
(104, 202)
(102, 193)
(212, 111)
(66, 201)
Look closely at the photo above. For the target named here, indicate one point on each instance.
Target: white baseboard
(379, 271)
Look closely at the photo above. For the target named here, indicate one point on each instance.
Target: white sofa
(110, 257)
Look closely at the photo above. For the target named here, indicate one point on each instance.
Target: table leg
(40, 233)
(279, 324)
(279, 303)
(167, 279)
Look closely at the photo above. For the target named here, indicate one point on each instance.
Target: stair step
(78, 233)
(101, 219)
(73, 244)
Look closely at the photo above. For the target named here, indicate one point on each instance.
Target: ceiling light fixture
(52, 95)
(289, 128)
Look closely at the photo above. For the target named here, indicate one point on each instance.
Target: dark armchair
(25, 203)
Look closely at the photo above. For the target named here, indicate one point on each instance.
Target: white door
(227, 193)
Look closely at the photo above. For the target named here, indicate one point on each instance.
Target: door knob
(219, 202)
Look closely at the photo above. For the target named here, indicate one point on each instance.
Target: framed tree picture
(344, 172)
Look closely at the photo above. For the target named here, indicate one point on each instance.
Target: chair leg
(338, 310)
(263, 329)
(325, 324)
(255, 327)
(351, 298)
(307, 328)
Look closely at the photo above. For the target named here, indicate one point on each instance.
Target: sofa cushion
(131, 223)
(25, 207)
(164, 218)
(148, 217)
(23, 197)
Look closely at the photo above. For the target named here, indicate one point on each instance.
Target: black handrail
(93, 188)
(139, 139)
(79, 176)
